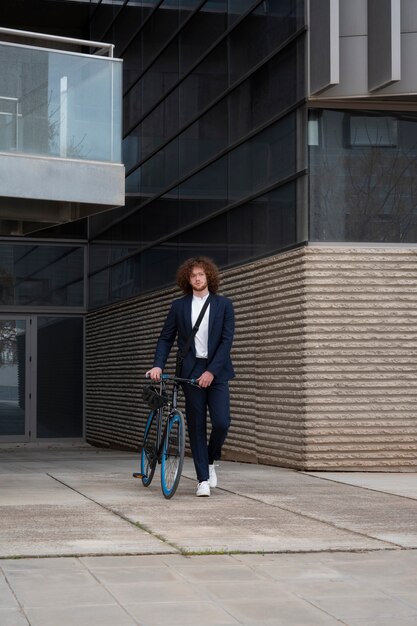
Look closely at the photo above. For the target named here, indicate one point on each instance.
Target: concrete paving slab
(43, 458)
(47, 530)
(109, 562)
(35, 489)
(61, 588)
(85, 502)
(256, 508)
(398, 483)
(80, 615)
(372, 513)
(130, 575)
(381, 566)
(154, 591)
(273, 612)
(181, 614)
(208, 572)
(287, 589)
(7, 599)
(223, 522)
(228, 523)
(381, 621)
(374, 606)
(12, 617)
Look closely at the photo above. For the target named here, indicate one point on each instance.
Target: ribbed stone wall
(361, 358)
(325, 354)
(268, 402)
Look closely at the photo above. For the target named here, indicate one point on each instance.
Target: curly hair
(210, 268)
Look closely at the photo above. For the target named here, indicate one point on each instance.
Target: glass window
(201, 32)
(277, 85)
(159, 172)
(99, 289)
(160, 77)
(206, 82)
(363, 172)
(209, 183)
(205, 138)
(247, 107)
(262, 226)
(13, 335)
(159, 125)
(262, 32)
(158, 265)
(256, 37)
(263, 160)
(35, 275)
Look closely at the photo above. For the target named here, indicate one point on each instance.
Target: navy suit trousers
(216, 398)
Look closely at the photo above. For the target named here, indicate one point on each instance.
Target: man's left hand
(205, 379)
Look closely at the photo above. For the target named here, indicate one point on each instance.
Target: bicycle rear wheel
(148, 459)
(173, 454)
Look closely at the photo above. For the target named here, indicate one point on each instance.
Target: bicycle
(164, 438)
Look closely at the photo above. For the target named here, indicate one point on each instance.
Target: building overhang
(38, 191)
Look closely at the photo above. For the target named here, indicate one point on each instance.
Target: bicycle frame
(164, 428)
(172, 406)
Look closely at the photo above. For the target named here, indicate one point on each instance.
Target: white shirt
(201, 337)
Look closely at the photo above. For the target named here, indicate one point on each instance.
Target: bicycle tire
(173, 454)
(148, 457)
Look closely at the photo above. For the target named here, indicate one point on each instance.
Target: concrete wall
(325, 353)
(362, 48)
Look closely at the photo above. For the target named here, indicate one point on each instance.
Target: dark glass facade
(363, 176)
(34, 275)
(213, 118)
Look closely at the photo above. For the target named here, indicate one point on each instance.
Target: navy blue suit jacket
(221, 331)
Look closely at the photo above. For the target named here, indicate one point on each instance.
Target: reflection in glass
(262, 32)
(363, 176)
(246, 108)
(60, 377)
(99, 289)
(262, 226)
(41, 275)
(263, 160)
(12, 377)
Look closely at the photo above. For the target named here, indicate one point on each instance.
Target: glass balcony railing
(60, 104)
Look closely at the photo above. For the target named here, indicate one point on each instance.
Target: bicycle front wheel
(149, 457)
(173, 454)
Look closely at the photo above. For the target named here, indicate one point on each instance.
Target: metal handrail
(101, 46)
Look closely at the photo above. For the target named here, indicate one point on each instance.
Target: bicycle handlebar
(177, 379)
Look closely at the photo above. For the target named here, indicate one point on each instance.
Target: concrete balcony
(60, 132)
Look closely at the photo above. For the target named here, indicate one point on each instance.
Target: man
(207, 360)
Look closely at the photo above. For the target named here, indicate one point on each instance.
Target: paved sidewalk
(271, 546)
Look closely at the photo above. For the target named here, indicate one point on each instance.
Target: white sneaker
(212, 477)
(203, 488)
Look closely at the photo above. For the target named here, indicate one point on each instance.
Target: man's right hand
(154, 374)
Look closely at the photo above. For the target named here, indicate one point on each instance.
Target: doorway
(41, 377)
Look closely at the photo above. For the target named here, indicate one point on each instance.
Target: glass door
(14, 379)
(60, 376)
(41, 378)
